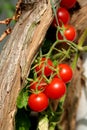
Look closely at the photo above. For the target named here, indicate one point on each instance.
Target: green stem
(74, 63)
(84, 48)
(52, 47)
(82, 38)
(54, 11)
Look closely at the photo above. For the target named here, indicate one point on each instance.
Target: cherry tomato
(69, 33)
(56, 89)
(38, 102)
(65, 72)
(63, 16)
(60, 37)
(36, 86)
(46, 66)
(67, 3)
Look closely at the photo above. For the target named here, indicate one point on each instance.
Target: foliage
(7, 8)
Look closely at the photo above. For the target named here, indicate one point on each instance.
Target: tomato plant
(63, 17)
(44, 66)
(56, 89)
(65, 72)
(38, 102)
(68, 3)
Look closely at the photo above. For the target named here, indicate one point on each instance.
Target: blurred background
(7, 8)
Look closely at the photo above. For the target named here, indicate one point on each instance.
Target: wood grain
(17, 56)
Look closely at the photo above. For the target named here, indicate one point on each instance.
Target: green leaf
(55, 116)
(22, 121)
(43, 123)
(22, 99)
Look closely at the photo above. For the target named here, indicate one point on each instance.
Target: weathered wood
(17, 56)
(82, 2)
(79, 20)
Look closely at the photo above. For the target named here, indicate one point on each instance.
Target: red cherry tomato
(56, 89)
(36, 86)
(65, 72)
(38, 102)
(69, 33)
(67, 3)
(46, 66)
(60, 37)
(63, 16)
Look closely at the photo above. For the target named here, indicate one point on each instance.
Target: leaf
(22, 99)
(43, 124)
(22, 121)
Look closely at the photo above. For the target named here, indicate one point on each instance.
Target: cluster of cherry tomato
(54, 89)
(63, 19)
(51, 80)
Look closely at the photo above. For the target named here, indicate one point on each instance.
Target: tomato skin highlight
(38, 102)
(56, 89)
(47, 69)
(67, 3)
(65, 72)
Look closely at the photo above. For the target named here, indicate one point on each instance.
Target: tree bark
(19, 52)
(17, 56)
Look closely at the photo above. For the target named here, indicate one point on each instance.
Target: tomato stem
(82, 38)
